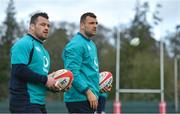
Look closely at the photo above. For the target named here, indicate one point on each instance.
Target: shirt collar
(35, 38)
(83, 36)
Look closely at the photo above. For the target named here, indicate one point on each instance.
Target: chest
(90, 51)
(40, 59)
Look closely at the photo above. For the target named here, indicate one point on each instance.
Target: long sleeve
(73, 61)
(22, 72)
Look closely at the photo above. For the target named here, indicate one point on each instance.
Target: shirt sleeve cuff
(85, 90)
(44, 79)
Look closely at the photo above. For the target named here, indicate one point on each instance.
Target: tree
(10, 24)
(11, 28)
(70, 28)
(140, 65)
(174, 42)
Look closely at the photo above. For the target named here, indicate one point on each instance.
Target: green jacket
(40, 64)
(80, 56)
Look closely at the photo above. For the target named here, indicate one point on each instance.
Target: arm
(73, 59)
(92, 99)
(22, 72)
(20, 54)
(72, 56)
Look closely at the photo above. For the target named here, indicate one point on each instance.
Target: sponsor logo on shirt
(89, 48)
(96, 64)
(38, 49)
(46, 64)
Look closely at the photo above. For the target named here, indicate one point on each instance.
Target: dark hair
(83, 17)
(36, 15)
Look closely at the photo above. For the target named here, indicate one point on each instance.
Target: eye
(48, 25)
(93, 23)
(43, 24)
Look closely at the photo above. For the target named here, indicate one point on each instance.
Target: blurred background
(151, 21)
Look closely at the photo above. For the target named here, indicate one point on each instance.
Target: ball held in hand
(64, 78)
(105, 79)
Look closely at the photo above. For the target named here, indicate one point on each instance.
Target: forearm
(22, 72)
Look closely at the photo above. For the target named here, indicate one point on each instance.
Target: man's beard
(88, 34)
(41, 38)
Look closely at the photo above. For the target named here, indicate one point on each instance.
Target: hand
(51, 74)
(106, 89)
(51, 82)
(92, 99)
(66, 89)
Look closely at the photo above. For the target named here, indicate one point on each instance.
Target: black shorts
(101, 104)
(79, 107)
(31, 108)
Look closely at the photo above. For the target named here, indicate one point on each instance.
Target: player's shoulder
(75, 42)
(24, 42)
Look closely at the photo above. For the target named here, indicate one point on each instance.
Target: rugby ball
(105, 79)
(64, 78)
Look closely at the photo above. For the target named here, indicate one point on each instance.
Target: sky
(110, 13)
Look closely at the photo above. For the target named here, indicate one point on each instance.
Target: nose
(47, 27)
(95, 25)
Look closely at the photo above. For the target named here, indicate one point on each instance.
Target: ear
(32, 27)
(82, 26)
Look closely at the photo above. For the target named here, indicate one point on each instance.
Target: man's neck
(89, 38)
(38, 39)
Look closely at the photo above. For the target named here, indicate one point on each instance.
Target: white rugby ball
(64, 78)
(105, 79)
(135, 41)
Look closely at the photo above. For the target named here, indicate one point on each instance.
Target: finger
(52, 74)
(106, 89)
(57, 86)
(67, 88)
(60, 87)
(62, 90)
(109, 89)
(102, 90)
(110, 86)
(95, 104)
(91, 104)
